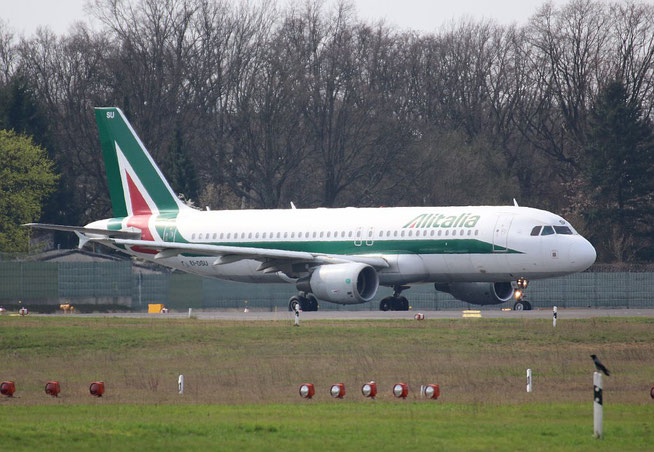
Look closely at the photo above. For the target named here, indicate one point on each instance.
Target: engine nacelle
(342, 283)
(478, 292)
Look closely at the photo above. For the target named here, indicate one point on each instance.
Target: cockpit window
(536, 230)
(563, 230)
(547, 230)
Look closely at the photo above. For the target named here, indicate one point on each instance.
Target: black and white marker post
(598, 405)
(296, 308)
(555, 315)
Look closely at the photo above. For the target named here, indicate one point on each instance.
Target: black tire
(294, 300)
(385, 304)
(403, 304)
(527, 306)
(311, 303)
(519, 306)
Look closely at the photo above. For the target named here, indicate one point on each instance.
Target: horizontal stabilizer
(83, 230)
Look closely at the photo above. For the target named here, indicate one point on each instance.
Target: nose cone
(582, 254)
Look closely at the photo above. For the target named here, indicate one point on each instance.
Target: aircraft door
(501, 233)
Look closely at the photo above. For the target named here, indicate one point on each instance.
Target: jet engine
(478, 292)
(342, 283)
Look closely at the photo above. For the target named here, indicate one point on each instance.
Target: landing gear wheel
(311, 303)
(385, 304)
(519, 306)
(527, 305)
(294, 302)
(400, 304)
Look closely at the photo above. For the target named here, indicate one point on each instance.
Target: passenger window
(462, 232)
(410, 233)
(285, 234)
(395, 233)
(432, 233)
(250, 235)
(477, 232)
(469, 232)
(447, 232)
(349, 234)
(263, 236)
(256, 236)
(453, 232)
(314, 234)
(328, 234)
(279, 234)
(547, 230)
(222, 234)
(536, 230)
(200, 236)
(563, 230)
(321, 234)
(402, 233)
(193, 237)
(229, 234)
(439, 232)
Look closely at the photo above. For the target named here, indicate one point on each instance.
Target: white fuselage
(420, 244)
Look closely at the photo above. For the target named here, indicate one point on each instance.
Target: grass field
(242, 380)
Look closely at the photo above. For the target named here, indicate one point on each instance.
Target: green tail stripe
(114, 128)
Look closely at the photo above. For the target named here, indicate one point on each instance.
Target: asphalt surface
(576, 313)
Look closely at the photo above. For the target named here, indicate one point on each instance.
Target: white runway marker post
(555, 315)
(180, 384)
(598, 405)
(296, 308)
(190, 312)
(528, 380)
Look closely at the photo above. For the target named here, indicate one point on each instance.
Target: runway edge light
(52, 388)
(369, 389)
(97, 388)
(337, 391)
(401, 390)
(7, 388)
(307, 390)
(430, 391)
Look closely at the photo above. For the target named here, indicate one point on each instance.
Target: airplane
(482, 255)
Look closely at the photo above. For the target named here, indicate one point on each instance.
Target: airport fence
(122, 284)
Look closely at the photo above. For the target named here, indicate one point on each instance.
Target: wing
(271, 259)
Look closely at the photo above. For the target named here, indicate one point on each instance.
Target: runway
(572, 313)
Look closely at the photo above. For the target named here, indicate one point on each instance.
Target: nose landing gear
(521, 304)
(396, 302)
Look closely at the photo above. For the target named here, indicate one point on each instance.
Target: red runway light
(401, 390)
(307, 391)
(432, 391)
(369, 389)
(7, 388)
(337, 391)
(97, 388)
(52, 388)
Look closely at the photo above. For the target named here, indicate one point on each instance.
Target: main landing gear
(306, 302)
(521, 304)
(396, 302)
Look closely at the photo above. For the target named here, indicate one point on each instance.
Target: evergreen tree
(619, 168)
(26, 179)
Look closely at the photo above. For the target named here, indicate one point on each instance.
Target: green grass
(320, 426)
(242, 380)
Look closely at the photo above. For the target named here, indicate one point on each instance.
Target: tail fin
(136, 184)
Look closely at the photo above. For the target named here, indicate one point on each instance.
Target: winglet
(515, 203)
